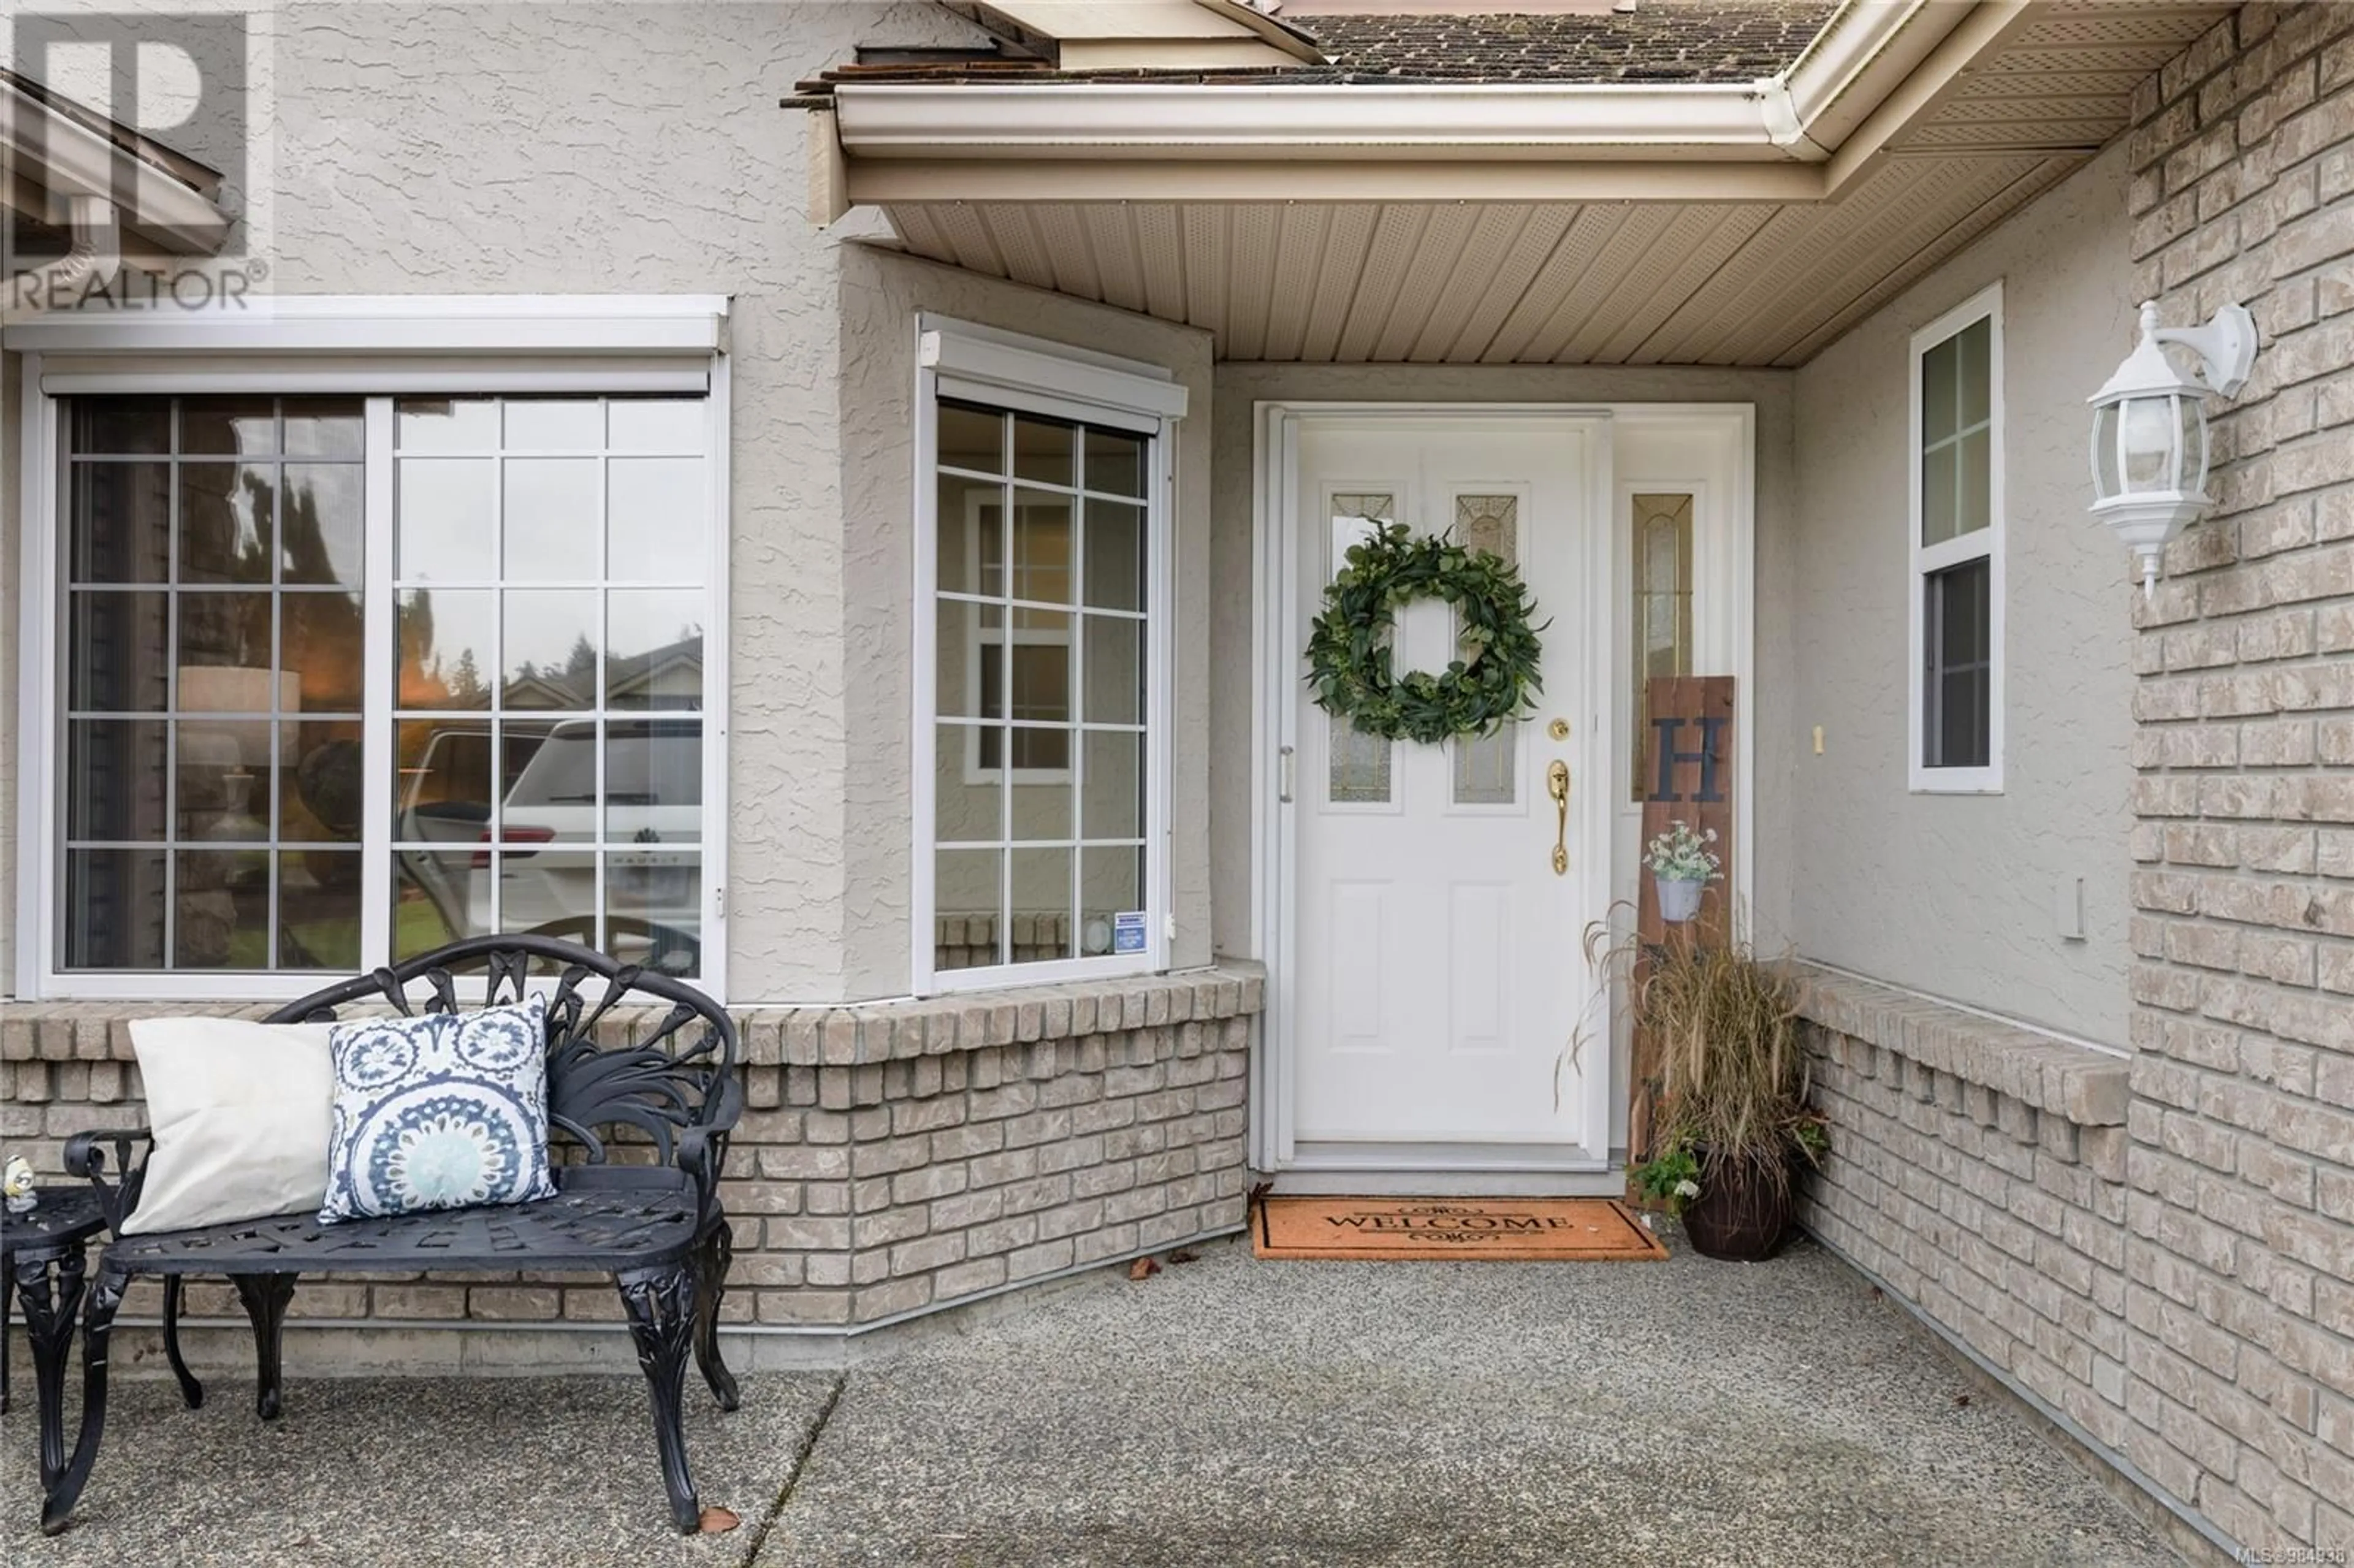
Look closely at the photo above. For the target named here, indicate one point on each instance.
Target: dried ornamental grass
(1733, 1073)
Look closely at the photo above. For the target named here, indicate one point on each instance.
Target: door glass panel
(1358, 768)
(1486, 770)
(1660, 612)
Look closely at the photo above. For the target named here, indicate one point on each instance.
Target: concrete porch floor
(1226, 1410)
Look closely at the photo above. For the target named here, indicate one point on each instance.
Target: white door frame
(1600, 760)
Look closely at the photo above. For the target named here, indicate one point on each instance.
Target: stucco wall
(11, 372)
(1240, 386)
(881, 293)
(484, 149)
(1949, 893)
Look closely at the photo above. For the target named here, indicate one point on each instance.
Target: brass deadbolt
(1558, 729)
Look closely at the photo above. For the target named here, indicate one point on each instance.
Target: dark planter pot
(1742, 1214)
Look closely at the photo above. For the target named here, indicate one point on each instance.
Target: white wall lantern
(2149, 430)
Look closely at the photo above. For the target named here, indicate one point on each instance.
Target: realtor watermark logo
(129, 162)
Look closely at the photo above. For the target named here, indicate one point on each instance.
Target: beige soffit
(1666, 225)
(55, 150)
(1129, 139)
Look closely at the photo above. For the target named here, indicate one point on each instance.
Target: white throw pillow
(242, 1114)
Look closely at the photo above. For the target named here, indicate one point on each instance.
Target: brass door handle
(1557, 786)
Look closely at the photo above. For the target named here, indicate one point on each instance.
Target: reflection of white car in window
(652, 801)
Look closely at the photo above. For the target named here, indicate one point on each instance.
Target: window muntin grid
(551, 636)
(251, 635)
(1040, 643)
(211, 665)
(1956, 544)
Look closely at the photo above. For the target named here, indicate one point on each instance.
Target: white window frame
(377, 348)
(1024, 375)
(1923, 561)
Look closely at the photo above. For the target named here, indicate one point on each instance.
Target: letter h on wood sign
(1708, 759)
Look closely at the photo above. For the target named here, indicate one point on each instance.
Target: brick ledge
(2068, 1080)
(850, 1036)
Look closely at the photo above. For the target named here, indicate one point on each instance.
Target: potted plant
(1735, 1125)
(1682, 865)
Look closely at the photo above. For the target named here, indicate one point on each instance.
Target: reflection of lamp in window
(206, 689)
(219, 760)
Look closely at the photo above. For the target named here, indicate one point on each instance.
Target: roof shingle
(1675, 42)
(1665, 41)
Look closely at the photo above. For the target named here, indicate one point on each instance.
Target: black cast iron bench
(656, 1226)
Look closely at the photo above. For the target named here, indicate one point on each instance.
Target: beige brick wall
(1978, 1170)
(892, 1159)
(2240, 1267)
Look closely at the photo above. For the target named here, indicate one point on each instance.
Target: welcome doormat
(1503, 1230)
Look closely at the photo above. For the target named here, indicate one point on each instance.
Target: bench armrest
(85, 1157)
(702, 1149)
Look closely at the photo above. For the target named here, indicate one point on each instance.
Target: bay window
(1042, 667)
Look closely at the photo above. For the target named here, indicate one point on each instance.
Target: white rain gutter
(89, 263)
(1797, 116)
(70, 159)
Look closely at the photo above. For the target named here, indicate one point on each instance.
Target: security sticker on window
(1127, 931)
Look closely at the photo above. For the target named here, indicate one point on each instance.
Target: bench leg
(265, 1297)
(661, 1306)
(97, 1324)
(711, 1264)
(192, 1392)
(49, 1292)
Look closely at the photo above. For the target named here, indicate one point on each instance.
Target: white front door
(1439, 977)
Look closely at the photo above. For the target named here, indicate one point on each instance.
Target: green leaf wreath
(1494, 680)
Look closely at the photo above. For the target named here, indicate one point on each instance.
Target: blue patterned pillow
(442, 1111)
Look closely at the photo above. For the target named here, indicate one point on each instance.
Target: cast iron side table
(42, 1252)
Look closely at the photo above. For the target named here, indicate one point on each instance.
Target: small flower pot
(1679, 901)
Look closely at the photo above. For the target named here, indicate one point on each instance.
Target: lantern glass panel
(2192, 422)
(2150, 435)
(2105, 452)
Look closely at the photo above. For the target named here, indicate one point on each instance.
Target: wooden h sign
(1691, 753)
